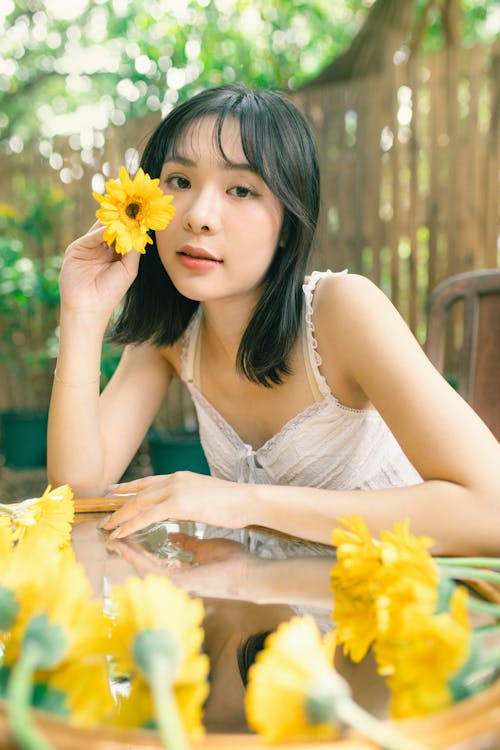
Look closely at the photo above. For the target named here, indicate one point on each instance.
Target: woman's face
(227, 222)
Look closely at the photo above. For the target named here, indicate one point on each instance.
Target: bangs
(254, 133)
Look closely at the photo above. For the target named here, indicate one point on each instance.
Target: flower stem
(466, 573)
(487, 608)
(469, 562)
(8, 510)
(487, 629)
(166, 711)
(366, 724)
(19, 690)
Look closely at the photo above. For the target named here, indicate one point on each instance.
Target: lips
(192, 251)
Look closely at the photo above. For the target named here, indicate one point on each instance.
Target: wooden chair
(479, 355)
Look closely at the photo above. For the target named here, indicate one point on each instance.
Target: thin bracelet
(75, 385)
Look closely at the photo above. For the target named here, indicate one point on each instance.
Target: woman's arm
(455, 453)
(92, 439)
(458, 504)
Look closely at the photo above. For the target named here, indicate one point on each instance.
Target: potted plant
(176, 450)
(173, 441)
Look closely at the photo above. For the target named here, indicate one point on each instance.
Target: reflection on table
(249, 581)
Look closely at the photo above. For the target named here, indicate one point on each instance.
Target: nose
(202, 215)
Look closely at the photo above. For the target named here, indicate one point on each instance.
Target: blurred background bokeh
(403, 95)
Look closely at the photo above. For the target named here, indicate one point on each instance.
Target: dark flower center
(132, 210)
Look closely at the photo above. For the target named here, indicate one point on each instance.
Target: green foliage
(129, 58)
(103, 62)
(29, 290)
(479, 23)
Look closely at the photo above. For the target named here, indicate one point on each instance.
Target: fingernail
(116, 533)
(112, 487)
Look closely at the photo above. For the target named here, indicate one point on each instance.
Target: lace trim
(216, 417)
(237, 441)
(316, 361)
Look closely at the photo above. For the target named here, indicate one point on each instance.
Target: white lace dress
(328, 445)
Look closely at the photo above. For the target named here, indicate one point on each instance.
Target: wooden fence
(410, 174)
(411, 168)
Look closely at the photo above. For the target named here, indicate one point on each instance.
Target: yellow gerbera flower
(148, 613)
(372, 579)
(421, 653)
(49, 517)
(54, 623)
(130, 208)
(353, 582)
(61, 593)
(6, 538)
(137, 709)
(405, 553)
(295, 693)
(282, 679)
(85, 686)
(21, 576)
(408, 578)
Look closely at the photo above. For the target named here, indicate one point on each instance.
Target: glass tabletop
(249, 581)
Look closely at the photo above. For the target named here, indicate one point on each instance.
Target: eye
(242, 191)
(178, 182)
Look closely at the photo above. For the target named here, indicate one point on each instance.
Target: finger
(136, 505)
(141, 521)
(96, 232)
(131, 263)
(139, 563)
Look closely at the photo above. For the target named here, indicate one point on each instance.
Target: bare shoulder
(345, 292)
(350, 302)
(358, 331)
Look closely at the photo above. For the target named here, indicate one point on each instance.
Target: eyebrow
(227, 164)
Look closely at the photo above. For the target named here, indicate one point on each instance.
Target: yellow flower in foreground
(60, 592)
(50, 626)
(48, 517)
(129, 208)
(373, 579)
(280, 681)
(353, 582)
(294, 692)
(407, 554)
(154, 606)
(421, 653)
(136, 709)
(21, 579)
(6, 538)
(86, 687)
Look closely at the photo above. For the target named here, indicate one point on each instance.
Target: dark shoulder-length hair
(279, 146)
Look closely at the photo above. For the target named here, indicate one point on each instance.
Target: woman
(314, 400)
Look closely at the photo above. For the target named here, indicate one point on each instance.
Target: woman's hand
(93, 276)
(181, 496)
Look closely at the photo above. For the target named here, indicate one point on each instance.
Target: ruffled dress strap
(312, 358)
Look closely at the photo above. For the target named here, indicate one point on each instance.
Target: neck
(224, 323)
